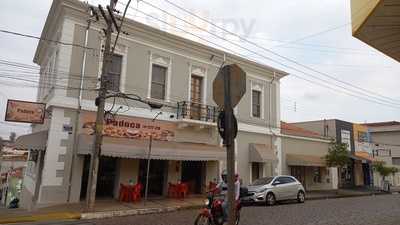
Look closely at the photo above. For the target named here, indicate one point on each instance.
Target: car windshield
(262, 181)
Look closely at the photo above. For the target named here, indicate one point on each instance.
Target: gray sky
(274, 24)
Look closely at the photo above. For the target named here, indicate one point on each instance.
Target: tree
(385, 171)
(13, 135)
(338, 156)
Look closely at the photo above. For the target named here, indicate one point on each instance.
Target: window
(196, 89)
(396, 161)
(159, 74)
(114, 75)
(255, 170)
(256, 103)
(317, 174)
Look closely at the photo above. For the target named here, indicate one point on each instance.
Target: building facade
(155, 66)
(385, 139)
(359, 171)
(304, 158)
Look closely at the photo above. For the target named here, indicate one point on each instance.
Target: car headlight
(206, 202)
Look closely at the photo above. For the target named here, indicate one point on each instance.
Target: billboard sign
(130, 127)
(345, 136)
(25, 112)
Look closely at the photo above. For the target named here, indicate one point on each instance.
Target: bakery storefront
(125, 151)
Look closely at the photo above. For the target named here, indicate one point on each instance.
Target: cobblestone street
(371, 210)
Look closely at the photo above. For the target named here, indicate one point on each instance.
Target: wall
(243, 140)
(343, 125)
(128, 169)
(318, 127)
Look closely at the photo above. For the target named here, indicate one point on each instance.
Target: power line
(45, 39)
(383, 98)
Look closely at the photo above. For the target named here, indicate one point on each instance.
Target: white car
(269, 190)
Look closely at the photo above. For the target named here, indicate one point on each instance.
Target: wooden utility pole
(95, 157)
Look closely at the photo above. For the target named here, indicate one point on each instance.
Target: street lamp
(148, 161)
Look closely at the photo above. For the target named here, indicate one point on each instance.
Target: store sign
(130, 127)
(25, 112)
(345, 135)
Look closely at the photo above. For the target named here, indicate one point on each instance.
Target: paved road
(372, 210)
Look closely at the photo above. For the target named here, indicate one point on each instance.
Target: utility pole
(95, 157)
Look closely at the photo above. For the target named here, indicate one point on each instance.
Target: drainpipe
(77, 119)
(270, 112)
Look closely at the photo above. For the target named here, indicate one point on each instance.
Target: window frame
(121, 50)
(163, 61)
(156, 83)
(258, 86)
(195, 70)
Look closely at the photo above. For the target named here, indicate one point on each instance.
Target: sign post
(228, 88)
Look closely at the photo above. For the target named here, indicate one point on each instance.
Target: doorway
(156, 176)
(105, 178)
(193, 173)
(299, 172)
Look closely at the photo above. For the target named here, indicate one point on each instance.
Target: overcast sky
(274, 24)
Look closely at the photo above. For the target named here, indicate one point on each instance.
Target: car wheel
(270, 199)
(301, 197)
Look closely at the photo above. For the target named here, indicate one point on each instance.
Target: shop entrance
(105, 178)
(299, 172)
(156, 176)
(193, 173)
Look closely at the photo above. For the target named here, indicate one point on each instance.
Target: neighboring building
(159, 67)
(375, 22)
(385, 138)
(303, 157)
(12, 167)
(359, 171)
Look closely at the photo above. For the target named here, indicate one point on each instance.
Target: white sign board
(345, 136)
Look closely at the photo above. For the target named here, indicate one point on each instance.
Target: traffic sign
(221, 125)
(237, 79)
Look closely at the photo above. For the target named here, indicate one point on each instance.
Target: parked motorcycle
(212, 213)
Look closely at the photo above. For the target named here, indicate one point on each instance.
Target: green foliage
(383, 170)
(338, 155)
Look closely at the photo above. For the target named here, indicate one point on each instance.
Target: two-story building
(359, 171)
(385, 139)
(156, 66)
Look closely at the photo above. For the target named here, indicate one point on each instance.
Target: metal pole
(148, 170)
(230, 149)
(95, 157)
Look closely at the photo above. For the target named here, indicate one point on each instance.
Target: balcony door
(196, 97)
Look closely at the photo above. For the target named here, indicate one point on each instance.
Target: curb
(134, 212)
(345, 196)
(41, 217)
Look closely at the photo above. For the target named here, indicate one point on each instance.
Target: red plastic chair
(182, 190)
(123, 193)
(137, 192)
(172, 190)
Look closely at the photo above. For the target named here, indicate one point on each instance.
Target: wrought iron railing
(197, 111)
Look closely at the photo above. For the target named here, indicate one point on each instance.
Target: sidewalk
(103, 209)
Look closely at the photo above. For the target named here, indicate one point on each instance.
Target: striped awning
(305, 160)
(165, 150)
(33, 141)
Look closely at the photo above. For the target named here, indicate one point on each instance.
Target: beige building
(385, 137)
(303, 156)
(158, 67)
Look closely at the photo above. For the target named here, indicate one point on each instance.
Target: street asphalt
(370, 210)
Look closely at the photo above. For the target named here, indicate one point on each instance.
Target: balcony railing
(197, 111)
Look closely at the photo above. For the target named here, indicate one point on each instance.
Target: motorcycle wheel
(202, 220)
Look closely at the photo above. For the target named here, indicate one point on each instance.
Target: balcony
(191, 112)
